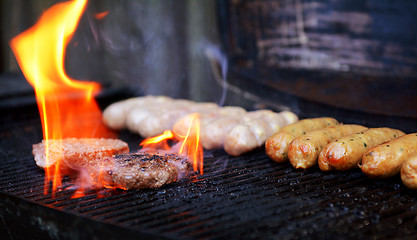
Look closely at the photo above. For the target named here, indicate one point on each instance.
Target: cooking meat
(206, 118)
(154, 119)
(151, 115)
(245, 137)
(240, 133)
(409, 172)
(214, 132)
(385, 160)
(115, 115)
(232, 127)
(144, 170)
(276, 146)
(76, 152)
(255, 128)
(303, 151)
(107, 162)
(346, 153)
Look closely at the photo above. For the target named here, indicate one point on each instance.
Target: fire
(101, 15)
(67, 106)
(40, 52)
(158, 142)
(189, 145)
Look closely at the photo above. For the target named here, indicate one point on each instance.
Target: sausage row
(233, 128)
(379, 152)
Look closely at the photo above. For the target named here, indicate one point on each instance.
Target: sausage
(276, 146)
(115, 115)
(385, 160)
(273, 119)
(303, 152)
(409, 172)
(163, 116)
(206, 117)
(214, 133)
(245, 137)
(346, 153)
(257, 126)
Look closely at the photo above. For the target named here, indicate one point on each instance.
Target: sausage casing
(409, 172)
(385, 160)
(255, 129)
(115, 115)
(303, 152)
(276, 146)
(346, 153)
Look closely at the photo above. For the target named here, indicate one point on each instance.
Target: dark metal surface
(247, 197)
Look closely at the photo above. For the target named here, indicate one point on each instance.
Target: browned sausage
(409, 172)
(385, 160)
(276, 146)
(346, 153)
(303, 152)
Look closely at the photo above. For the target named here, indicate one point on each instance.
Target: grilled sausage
(246, 137)
(115, 115)
(206, 117)
(276, 146)
(385, 160)
(409, 172)
(214, 133)
(303, 152)
(346, 153)
(257, 126)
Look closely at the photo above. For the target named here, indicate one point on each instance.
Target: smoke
(138, 44)
(219, 66)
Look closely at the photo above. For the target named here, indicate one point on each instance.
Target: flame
(189, 145)
(101, 15)
(158, 142)
(62, 101)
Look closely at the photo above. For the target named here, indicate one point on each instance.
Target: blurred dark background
(153, 47)
(314, 57)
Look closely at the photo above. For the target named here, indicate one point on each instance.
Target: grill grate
(240, 197)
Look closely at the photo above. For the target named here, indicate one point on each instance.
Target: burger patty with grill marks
(145, 170)
(108, 163)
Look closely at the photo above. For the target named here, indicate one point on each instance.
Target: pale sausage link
(214, 133)
(257, 127)
(115, 115)
(206, 117)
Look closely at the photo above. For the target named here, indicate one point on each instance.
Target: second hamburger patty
(146, 170)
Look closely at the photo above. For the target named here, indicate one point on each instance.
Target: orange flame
(158, 142)
(101, 15)
(190, 143)
(62, 101)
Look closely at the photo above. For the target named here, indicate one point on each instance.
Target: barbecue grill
(237, 197)
(246, 197)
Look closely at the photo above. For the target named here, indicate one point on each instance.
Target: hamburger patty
(76, 152)
(145, 170)
(108, 162)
